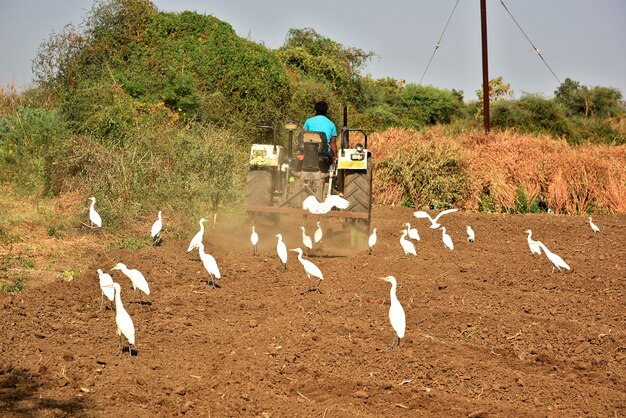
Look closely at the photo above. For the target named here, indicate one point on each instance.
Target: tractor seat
(313, 146)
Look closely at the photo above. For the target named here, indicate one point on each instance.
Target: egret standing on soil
(306, 240)
(198, 237)
(310, 269)
(135, 276)
(447, 239)
(209, 264)
(433, 222)
(155, 231)
(123, 320)
(470, 234)
(593, 226)
(532, 244)
(371, 241)
(407, 246)
(108, 291)
(94, 217)
(396, 312)
(281, 250)
(254, 240)
(554, 259)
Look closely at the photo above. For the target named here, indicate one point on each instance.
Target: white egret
(396, 313)
(594, 227)
(254, 239)
(447, 239)
(157, 226)
(433, 222)
(306, 241)
(319, 234)
(407, 246)
(108, 291)
(554, 259)
(281, 249)
(371, 241)
(470, 234)
(310, 269)
(209, 264)
(413, 234)
(198, 237)
(314, 206)
(138, 280)
(532, 244)
(124, 322)
(94, 217)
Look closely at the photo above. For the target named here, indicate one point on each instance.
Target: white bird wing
(443, 212)
(317, 237)
(371, 241)
(447, 240)
(254, 238)
(156, 228)
(306, 240)
(95, 217)
(397, 318)
(312, 269)
(337, 201)
(281, 249)
(139, 281)
(310, 203)
(212, 266)
(106, 280)
(408, 247)
(420, 214)
(125, 324)
(413, 234)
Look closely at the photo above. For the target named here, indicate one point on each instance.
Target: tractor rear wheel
(358, 190)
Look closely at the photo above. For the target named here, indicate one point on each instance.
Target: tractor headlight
(359, 147)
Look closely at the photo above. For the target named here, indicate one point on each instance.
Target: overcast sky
(581, 39)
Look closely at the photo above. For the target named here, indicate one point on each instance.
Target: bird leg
(119, 345)
(318, 287)
(130, 352)
(102, 301)
(211, 281)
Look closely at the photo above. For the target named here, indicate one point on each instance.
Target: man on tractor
(321, 123)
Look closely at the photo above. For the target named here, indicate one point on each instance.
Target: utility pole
(483, 27)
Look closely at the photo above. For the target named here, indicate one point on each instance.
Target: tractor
(278, 182)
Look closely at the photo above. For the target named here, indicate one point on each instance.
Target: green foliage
(311, 54)
(427, 105)
(533, 114)
(431, 175)
(523, 204)
(586, 101)
(18, 285)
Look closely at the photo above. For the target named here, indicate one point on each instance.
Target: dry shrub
(549, 173)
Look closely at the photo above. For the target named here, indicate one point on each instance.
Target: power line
(530, 42)
(439, 41)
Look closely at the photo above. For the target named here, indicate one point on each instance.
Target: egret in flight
(108, 291)
(94, 217)
(318, 235)
(315, 207)
(470, 234)
(198, 237)
(371, 241)
(413, 234)
(135, 276)
(155, 231)
(407, 246)
(396, 312)
(209, 264)
(554, 259)
(310, 269)
(306, 241)
(254, 240)
(594, 227)
(281, 249)
(433, 222)
(532, 244)
(447, 239)
(124, 322)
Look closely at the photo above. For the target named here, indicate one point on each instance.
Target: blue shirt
(321, 123)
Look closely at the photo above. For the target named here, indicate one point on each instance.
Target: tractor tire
(259, 188)
(358, 190)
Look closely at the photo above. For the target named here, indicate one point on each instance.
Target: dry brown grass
(563, 178)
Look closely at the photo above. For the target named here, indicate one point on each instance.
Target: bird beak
(293, 249)
(384, 279)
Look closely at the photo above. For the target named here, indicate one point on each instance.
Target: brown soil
(491, 330)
